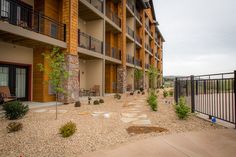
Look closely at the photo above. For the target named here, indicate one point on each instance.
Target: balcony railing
(130, 59)
(156, 54)
(138, 62)
(148, 28)
(138, 39)
(113, 16)
(97, 4)
(130, 31)
(19, 15)
(130, 5)
(147, 66)
(136, 13)
(113, 52)
(148, 47)
(90, 43)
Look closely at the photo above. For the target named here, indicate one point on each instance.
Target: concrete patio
(214, 143)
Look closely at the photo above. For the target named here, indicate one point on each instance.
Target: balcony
(18, 15)
(138, 39)
(148, 47)
(130, 31)
(129, 59)
(147, 66)
(138, 62)
(90, 43)
(148, 28)
(156, 55)
(136, 13)
(113, 52)
(130, 5)
(113, 16)
(98, 4)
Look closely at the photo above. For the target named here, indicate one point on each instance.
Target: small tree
(56, 70)
(138, 74)
(153, 74)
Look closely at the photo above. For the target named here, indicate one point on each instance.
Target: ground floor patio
(99, 127)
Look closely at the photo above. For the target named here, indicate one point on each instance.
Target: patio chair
(95, 90)
(6, 95)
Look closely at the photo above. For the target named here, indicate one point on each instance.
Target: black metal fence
(213, 95)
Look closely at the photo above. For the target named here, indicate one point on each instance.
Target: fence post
(235, 96)
(192, 95)
(176, 90)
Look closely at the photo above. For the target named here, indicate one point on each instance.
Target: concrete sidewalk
(214, 143)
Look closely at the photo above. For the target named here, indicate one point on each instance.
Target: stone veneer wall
(71, 85)
(121, 79)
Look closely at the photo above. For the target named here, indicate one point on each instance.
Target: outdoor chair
(6, 95)
(95, 91)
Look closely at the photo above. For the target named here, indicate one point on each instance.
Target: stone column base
(121, 79)
(71, 85)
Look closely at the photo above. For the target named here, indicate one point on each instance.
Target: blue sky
(200, 35)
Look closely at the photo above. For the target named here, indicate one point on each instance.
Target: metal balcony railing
(130, 5)
(130, 31)
(138, 62)
(90, 43)
(138, 39)
(113, 52)
(148, 47)
(156, 54)
(136, 13)
(130, 59)
(113, 16)
(97, 4)
(17, 14)
(148, 28)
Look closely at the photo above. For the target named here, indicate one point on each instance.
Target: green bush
(15, 109)
(101, 101)
(96, 102)
(171, 93)
(14, 126)
(152, 101)
(68, 129)
(181, 109)
(165, 93)
(117, 96)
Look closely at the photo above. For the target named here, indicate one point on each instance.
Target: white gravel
(39, 136)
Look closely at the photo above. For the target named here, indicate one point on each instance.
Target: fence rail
(213, 95)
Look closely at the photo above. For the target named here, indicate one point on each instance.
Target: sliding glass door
(16, 78)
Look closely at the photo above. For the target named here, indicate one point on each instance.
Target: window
(5, 8)
(4, 75)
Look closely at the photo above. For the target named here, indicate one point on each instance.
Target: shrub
(96, 102)
(165, 93)
(117, 96)
(101, 101)
(77, 104)
(143, 93)
(181, 109)
(68, 129)
(152, 101)
(171, 93)
(15, 110)
(132, 93)
(14, 126)
(138, 92)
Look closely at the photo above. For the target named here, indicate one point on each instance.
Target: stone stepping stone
(40, 110)
(142, 122)
(128, 120)
(83, 113)
(58, 111)
(129, 115)
(107, 115)
(142, 116)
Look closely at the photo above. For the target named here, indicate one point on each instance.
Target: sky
(200, 36)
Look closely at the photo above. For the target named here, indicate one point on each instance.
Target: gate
(213, 95)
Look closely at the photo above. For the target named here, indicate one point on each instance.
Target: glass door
(16, 78)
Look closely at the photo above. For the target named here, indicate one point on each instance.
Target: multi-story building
(103, 41)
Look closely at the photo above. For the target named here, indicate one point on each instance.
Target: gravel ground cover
(40, 137)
